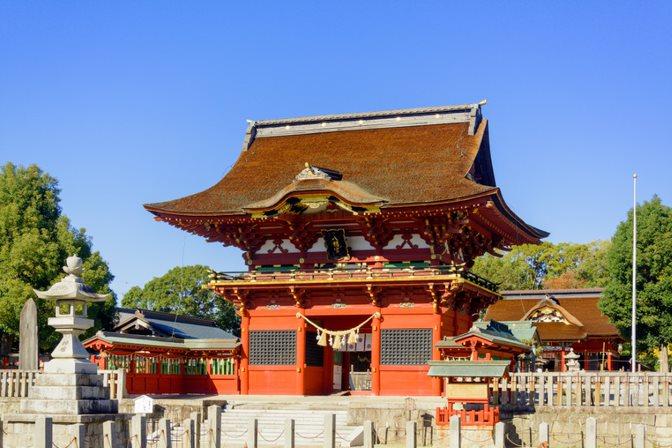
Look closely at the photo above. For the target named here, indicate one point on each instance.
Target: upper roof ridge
(310, 124)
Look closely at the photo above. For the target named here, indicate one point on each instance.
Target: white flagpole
(633, 341)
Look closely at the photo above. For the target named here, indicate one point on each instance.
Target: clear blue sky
(134, 102)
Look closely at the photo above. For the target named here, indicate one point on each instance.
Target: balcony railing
(346, 272)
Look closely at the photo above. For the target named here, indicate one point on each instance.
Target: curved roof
(398, 158)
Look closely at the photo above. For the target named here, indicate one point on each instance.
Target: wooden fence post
(499, 435)
(215, 426)
(165, 441)
(252, 433)
(591, 433)
(138, 431)
(109, 435)
(330, 431)
(411, 434)
(369, 438)
(455, 429)
(189, 433)
(43, 436)
(289, 433)
(543, 433)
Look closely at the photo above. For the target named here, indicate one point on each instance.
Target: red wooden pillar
(375, 355)
(586, 363)
(244, 352)
(301, 355)
(436, 353)
(562, 360)
(609, 362)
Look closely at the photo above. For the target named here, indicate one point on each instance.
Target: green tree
(35, 239)
(547, 265)
(182, 290)
(654, 279)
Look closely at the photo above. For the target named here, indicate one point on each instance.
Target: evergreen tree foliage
(35, 240)
(182, 290)
(654, 279)
(547, 265)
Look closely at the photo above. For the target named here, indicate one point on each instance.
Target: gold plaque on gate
(467, 391)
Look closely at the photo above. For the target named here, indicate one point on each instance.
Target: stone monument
(69, 390)
(28, 336)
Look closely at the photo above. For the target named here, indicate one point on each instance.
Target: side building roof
(561, 314)
(169, 325)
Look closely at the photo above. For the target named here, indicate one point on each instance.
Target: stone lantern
(70, 383)
(72, 298)
(572, 361)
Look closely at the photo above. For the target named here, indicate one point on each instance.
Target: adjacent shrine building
(566, 319)
(358, 231)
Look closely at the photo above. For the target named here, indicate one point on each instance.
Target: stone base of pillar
(68, 393)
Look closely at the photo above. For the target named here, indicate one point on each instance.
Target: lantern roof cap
(72, 287)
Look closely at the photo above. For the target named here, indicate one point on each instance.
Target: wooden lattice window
(314, 352)
(401, 347)
(273, 348)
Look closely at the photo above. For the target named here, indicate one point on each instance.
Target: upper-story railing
(590, 389)
(353, 271)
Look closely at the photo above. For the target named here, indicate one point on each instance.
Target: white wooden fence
(17, 383)
(594, 389)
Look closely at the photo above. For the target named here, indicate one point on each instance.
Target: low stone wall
(615, 426)
(175, 409)
(19, 431)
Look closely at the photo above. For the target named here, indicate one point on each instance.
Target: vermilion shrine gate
(358, 231)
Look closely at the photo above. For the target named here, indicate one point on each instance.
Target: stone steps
(308, 424)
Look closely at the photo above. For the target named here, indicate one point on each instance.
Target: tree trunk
(663, 358)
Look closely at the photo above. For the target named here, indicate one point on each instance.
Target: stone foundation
(19, 430)
(614, 425)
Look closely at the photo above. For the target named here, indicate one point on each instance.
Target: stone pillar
(369, 437)
(543, 433)
(196, 417)
(640, 436)
(165, 441)
(244, 352)
(411, 434)
(591, 433)
(28, 336)
(375, 355)
(289, 433)
(300, 354)
(330, 431)
(139, 431)
(43, 436)
(215, 426)
(436, 354)
(110, 439)
(499, 435)
(252, 433)
(189, 435)
(455, 428)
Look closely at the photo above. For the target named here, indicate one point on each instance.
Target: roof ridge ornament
(311, 172)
